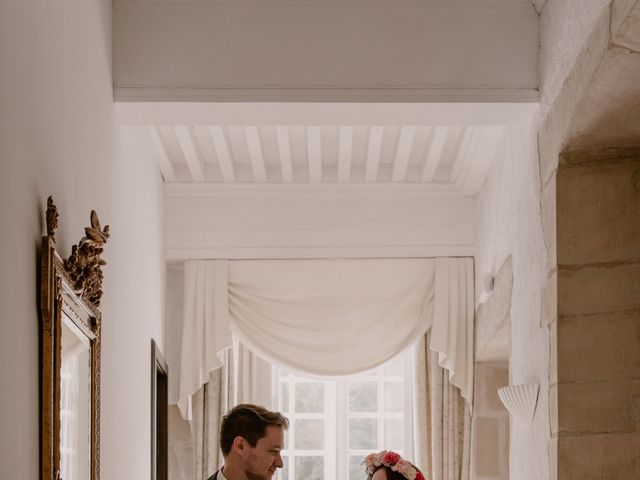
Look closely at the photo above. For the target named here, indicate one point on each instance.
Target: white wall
(509, 222)
(58, 137)
(516, 212)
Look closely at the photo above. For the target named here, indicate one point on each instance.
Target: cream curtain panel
(327, 317)
(243, 377)
(441, 417)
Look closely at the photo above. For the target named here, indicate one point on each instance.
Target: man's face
(261, 461)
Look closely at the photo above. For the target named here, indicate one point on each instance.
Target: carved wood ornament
(70, 288)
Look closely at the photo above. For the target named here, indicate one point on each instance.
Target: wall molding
(125, 92)
(471, 7)
(292, 191)
(295, 252)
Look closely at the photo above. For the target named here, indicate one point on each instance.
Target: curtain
(243, 377)
(442, 419)
(324, 316)
(205, 330)
(209, 404)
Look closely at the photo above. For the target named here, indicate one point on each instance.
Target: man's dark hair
(249, 422)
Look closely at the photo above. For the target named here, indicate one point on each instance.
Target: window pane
(286, 439)
(356, 470)
(309, 468)
(363, 433)
(284, 396)
(283, 473)
(393, 395)
(309, 397)
(394, 366)
(393, 433)
(363, 397)
(309, 434)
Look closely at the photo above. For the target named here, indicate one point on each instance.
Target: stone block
(602, 407)
(614, 456)
(598, 289)
(599, 347)
(598, 209)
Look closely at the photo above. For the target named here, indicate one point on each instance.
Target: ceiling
(454, 156)
(323, 128)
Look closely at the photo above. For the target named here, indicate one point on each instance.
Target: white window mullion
(380, 422)
(331, 459)
(408, 402)
(335, 449)
(342, 430)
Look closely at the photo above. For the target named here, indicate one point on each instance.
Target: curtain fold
(205, 334)
(209, 404)
(323, 316)
(243, 377)
(441, 417)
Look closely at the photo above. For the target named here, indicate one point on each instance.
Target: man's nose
(279, 463)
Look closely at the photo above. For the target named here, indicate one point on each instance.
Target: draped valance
(327, 316)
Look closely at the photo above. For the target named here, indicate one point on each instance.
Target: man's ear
(239, 445)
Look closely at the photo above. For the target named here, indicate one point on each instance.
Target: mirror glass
(75, 402)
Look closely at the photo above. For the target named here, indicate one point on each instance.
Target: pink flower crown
(394, 461)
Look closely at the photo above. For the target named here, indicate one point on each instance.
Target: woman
(388, 465)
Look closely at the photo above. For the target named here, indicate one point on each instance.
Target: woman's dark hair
(249, 422)
(391, 475)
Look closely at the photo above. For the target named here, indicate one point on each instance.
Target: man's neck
(229, 472)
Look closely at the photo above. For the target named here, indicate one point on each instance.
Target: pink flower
(390, 458)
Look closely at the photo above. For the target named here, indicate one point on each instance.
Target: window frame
(336, 415)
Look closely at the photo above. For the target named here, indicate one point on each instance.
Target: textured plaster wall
(58, 137)
(510, 224)
(516, 214)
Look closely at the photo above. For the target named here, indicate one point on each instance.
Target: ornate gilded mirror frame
(70, 293)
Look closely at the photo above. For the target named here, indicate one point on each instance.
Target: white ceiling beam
(461, 154)
(314, 154)
(481, 160)
(254, 144)
(284, 146)
(191, 151)
(468, 149)
(223, 153)
(373, 153)
(345, 150)
(325, 114)
(403, 151)
(166, 167)
(434, 154)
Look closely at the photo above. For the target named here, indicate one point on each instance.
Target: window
(335, 422)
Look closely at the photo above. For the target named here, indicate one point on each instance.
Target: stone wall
(598, 329)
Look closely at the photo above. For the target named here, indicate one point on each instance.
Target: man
(251, 439)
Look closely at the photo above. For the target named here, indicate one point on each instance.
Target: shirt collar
(221, 475)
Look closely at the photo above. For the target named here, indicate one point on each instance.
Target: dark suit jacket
(214, 476)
